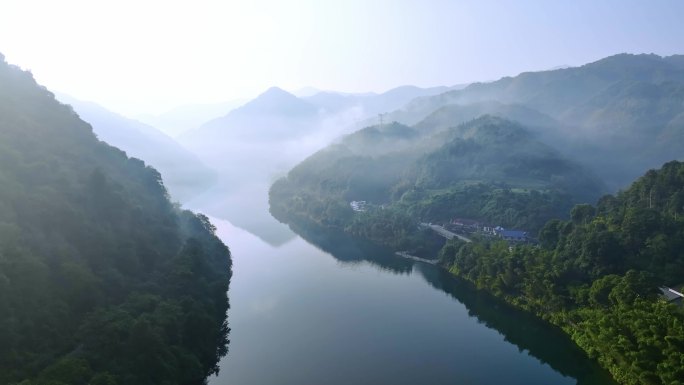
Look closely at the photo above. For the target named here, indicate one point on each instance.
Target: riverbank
(570, 325)
(406, 255)
(328, 302)
(616, 319)
(584, 276)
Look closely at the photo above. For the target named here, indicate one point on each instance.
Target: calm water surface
(356, 315)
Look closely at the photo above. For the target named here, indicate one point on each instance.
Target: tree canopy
(102, 279)
(597, 276)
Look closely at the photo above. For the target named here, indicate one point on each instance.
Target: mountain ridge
(488, 168)
(610, 113)
(184, 174)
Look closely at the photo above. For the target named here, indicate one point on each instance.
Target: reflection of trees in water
(348, 249)
(545, 342)
(541, 340)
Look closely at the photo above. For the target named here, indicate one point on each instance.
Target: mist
(341, 192)
(254, 145)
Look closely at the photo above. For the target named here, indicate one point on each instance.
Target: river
(320, 308)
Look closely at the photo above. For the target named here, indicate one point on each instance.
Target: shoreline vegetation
(523, 329)
(532, 157)
(595, 276)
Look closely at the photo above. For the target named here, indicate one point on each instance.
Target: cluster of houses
(470, 226)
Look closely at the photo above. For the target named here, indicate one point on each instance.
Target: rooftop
(670, 294)
(513, 233)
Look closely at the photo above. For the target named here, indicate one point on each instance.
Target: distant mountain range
(620, 115)
(279, 115)
(612, 92)
(183, 173)
(274, 115)
(187, 117)
(277, 129)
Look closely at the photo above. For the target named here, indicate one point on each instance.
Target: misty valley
(525, 230)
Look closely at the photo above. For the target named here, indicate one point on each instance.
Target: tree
(582, 213)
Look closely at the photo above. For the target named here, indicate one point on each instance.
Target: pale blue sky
(148, 56)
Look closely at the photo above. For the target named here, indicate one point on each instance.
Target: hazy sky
(147, 56)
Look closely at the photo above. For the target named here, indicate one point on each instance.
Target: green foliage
(491, 149)
(489, 169)
(491, 203)
(102, 279)
(597, 275)
(386, 226)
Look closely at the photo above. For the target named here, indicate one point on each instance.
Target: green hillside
(102, 279)
(489, 169)
(597, 276)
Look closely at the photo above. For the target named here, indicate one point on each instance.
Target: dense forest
(102, 279)
(597, 276)
(490, 169)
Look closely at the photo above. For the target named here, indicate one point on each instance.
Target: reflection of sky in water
(299, 316)
(264, 306)
(245, 206)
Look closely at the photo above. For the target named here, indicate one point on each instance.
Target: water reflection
(245, 205)
(348, 249)
(539, 339)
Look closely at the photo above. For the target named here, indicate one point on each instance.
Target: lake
(321, 308)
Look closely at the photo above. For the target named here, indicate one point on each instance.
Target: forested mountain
(102, 279)
(619, 116)
(558, 93)
(490, 169)
(277, 115)
(452, 115)
(273, 115)
(597, 276)
(183, 173)
(491, 149)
